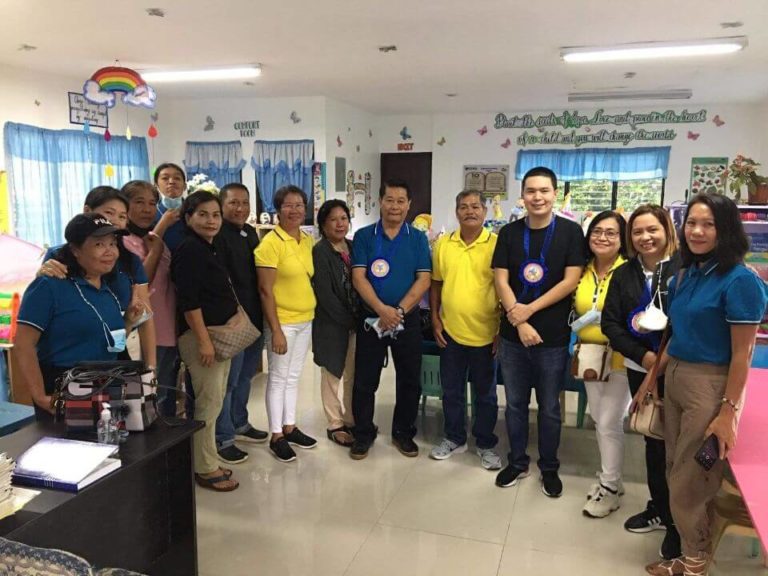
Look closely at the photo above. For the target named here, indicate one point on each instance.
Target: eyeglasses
(609, 234)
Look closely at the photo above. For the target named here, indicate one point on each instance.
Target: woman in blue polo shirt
(714, 312)
(78, 318)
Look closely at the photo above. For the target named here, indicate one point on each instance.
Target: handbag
(127, 386)
(591, 361)
(233, 337)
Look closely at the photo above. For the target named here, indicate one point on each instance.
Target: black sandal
(344, 430)
(212, 483)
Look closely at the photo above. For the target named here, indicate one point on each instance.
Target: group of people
(510, 302)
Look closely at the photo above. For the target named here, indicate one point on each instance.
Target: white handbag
(591, 361)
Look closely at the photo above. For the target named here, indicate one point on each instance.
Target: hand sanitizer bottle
(105, 426)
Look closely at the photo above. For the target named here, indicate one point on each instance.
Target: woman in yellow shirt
(608, 398)
(285, 268)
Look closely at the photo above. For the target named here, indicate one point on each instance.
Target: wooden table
(749, 459)
(140, 517)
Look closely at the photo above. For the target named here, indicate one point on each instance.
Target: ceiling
(495, 54)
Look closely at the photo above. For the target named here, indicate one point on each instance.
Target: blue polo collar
(404, 226)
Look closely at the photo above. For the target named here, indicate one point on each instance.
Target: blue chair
(760, 356)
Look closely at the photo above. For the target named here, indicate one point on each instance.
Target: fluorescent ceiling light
(239, 73)
(651, 50)
(674, 94)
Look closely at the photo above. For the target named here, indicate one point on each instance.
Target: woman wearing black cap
(76, 319)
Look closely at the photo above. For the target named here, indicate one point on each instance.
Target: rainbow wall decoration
(104, 85)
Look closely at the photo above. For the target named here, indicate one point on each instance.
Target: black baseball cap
(83, 226)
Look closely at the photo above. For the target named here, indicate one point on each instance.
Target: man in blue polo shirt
(391, 269)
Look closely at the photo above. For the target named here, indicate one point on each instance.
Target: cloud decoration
(104, 85)
(144, 96)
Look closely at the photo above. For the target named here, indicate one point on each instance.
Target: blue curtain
(222, 162)
(597, 163)
(278, 164)
(51, 171)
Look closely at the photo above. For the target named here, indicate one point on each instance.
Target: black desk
(140, 517)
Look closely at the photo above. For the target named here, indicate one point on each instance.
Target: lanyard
(533, 272)
(105, 326)
(381, 265)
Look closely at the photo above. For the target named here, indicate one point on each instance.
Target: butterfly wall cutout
(718, 121)
(506, 143)
(483, 131)
(154, 116)
(442, 141)
(295, 117)
(339, 143)
(209, 124)
(404, 133)
(693, 135)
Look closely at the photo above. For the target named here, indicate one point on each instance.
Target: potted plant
(743, 172)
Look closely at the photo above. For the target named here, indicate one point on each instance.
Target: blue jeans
(233, 418)
(525, 369)
(167, 374)
(455, 361)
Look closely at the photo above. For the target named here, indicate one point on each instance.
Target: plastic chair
(572, 384)
(430, 379)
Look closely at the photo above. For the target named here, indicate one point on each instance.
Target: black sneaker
(232, 455)
(282, 450)
(298, 438)
(670, 547)
(406, 447)
(359, 449)
(510, 476)
(646, 521)
(551, 484)
(252, 435)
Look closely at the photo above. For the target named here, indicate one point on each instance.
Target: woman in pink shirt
(147, 243)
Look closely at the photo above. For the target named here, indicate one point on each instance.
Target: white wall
(358, 132)
(743, 132)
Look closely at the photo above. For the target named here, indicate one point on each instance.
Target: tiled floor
(327, 515)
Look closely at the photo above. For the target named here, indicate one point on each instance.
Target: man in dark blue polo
(391, 269)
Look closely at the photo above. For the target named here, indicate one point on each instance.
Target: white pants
(284, 373)
(608, 404)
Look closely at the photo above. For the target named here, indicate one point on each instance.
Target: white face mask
(590, 317)
(653, 319)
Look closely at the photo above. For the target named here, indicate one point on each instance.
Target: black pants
(655, 457)
(370, 355)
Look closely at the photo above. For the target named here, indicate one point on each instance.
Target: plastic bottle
(105, 428)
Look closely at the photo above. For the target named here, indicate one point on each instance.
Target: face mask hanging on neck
(172, 203)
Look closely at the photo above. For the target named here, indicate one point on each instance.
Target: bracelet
(731, 403)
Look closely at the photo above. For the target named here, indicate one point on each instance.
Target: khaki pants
(329, 391)
(210, 385)
(692, 401)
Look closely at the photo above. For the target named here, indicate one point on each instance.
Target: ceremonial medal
(380, 268)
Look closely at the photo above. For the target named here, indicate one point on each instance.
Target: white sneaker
(446, 449)
(593, 490)
(602, 503)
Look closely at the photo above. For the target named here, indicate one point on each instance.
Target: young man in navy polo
(537, 265)
(391, 269)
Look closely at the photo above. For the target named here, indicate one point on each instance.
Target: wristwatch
(400, 309)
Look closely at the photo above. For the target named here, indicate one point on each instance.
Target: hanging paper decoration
(107, 135)
(154, 116)
(104, 85)
(109, 170)
(86, 127)
(152, 132)
(128, 134)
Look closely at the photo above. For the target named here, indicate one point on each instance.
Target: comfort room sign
(572, 128)
(247, 127)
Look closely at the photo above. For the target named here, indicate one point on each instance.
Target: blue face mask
(172, 203)
(116, 341)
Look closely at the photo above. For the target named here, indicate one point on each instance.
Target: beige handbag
(591, 361)
(648, 417)
(234, 336)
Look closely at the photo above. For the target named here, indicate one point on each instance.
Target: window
(599, 195)
(221, 162)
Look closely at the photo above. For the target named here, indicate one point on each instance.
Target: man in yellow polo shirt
(465, 322)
